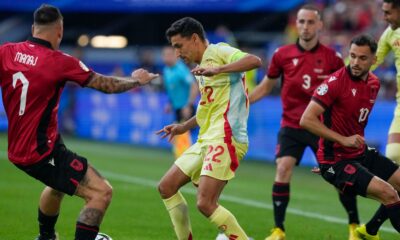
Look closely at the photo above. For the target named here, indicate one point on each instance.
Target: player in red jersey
(344, 102)
(32, 77)
(303, 67)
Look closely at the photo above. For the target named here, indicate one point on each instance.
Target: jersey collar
(303, 50)
(40, 42)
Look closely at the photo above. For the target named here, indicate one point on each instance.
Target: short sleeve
(75, 70)
(326, 93)
(275, 66)
(230, 54)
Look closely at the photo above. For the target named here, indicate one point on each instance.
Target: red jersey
(347, 101)
(32, 77)
(302, 72)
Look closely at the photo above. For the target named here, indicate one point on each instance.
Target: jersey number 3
(25, 84)
(307, 81)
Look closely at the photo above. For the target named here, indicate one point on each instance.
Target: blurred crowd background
(117, 36)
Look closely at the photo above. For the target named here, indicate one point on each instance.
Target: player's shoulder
(372, 77)
(329, 51)
(287, 47)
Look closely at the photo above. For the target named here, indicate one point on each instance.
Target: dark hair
(365, 40)
(186, 27)
(46, 14)
(312, 7)
(395, 3)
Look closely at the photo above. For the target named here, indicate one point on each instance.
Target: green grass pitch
(137, 213)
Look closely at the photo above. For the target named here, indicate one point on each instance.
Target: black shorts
(292, 142)
(61, 170)
(352, 176)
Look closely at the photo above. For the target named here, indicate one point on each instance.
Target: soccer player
(182, 91)
(222, 116)
(389, 41)
(304, 66)
(32, 76)
(344, 102)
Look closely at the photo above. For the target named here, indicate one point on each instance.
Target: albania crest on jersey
(322, 89)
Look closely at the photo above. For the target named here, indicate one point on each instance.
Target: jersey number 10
(25, 84)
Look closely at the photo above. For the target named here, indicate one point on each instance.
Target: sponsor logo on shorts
(350, 169)
(77, 165)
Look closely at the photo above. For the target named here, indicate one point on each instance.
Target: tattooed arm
(112, 84)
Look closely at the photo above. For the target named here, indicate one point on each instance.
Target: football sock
(377, 220)
(393, 211)
(226, 222)
(280, 199)
(46, 224)
(179, 213)
(85, 232)
(350, 204)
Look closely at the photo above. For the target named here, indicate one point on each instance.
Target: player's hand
(208, 72)
(316, 170)
(143, 76)
(355, 141)
(171, 131)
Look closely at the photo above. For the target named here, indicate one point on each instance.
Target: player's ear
(374, 59)
(32, 28)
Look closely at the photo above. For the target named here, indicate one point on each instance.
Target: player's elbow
(305, 121)
(256, 61)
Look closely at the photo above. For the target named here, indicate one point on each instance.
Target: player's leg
(393, 144)
(207, 203)
(49, 208)
(387, 195)
(97, 193)
(388, 171)
(290, 149)
(174, 201)
(221, 159)
(185, 168)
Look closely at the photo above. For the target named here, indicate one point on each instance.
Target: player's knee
(106, 193)
(206, 207)
(284, 170)
(165, 189)
(389, 195)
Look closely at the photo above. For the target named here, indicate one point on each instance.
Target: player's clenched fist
(143, 76)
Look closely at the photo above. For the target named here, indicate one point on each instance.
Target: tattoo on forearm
(91, 216)
(111, 84)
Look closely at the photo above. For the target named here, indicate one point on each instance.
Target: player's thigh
(379, 165)
(221, 159)
(381, 190)
(394, 180)
(190, 162)
(93, 184)
(393, 143)
(172, 180)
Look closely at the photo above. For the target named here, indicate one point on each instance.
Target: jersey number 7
(25, 84)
